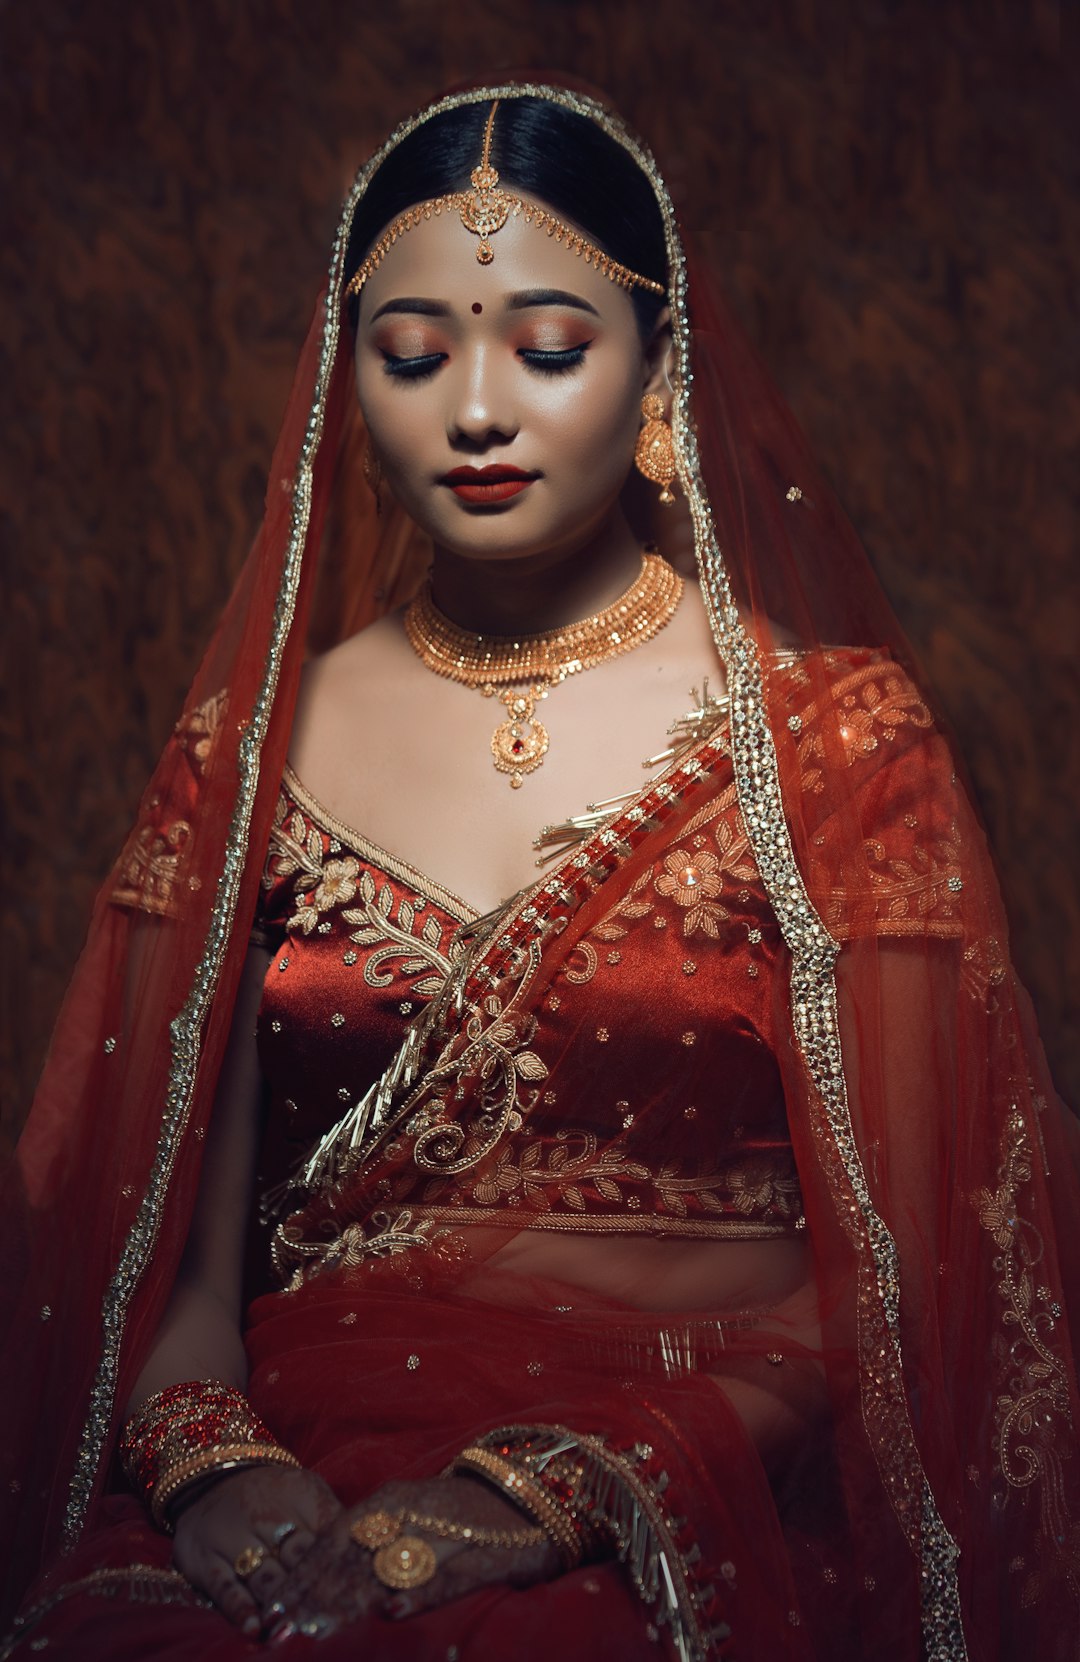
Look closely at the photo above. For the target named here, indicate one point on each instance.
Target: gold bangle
(222, 1457)
(527, 1494)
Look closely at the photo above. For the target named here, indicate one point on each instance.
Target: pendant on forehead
(485, 209)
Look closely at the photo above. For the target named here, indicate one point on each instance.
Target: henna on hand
(337, 1583)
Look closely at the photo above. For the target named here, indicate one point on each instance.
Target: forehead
(437, 259)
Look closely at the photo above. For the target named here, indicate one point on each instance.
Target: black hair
(543, 150)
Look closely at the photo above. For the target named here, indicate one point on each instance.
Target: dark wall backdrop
(887, 185)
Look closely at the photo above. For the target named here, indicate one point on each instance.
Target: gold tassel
(693, 728)
(625, 1505)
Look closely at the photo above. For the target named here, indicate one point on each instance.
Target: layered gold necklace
(498, 664)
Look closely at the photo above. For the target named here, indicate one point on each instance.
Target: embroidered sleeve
(151, 867)
(906, 875)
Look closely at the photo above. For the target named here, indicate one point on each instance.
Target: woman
(658, 1247)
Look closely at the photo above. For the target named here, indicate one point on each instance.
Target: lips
(481, 486)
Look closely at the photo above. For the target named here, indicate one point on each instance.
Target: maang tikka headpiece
(484, 210)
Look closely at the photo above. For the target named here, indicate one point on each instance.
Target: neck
(537, 592)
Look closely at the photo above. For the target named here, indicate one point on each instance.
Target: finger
(332, 1582)
(230, 1596)
(295, 1547)
(265, 1584)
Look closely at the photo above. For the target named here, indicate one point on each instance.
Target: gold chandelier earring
(654, 454)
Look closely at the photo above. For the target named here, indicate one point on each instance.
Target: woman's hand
(335, 1583)
(275, 1511)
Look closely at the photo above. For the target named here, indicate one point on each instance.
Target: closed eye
(413, 369)
(554, 363)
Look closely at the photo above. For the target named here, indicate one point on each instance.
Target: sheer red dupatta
(97, 1201)
(936, 1171)
(935, 1165)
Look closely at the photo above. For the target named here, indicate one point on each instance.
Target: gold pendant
(520, 743)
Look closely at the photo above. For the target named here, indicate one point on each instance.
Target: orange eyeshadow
(406, 341)
(548, 337)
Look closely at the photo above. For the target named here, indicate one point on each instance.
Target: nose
(482, 411)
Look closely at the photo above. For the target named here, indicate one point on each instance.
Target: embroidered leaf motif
(573, 1197)
(432, 930)
(529, 1065)
(604, 1186)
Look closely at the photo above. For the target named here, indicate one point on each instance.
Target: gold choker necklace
(497, 664)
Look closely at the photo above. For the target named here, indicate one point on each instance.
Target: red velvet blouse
(664, 1003)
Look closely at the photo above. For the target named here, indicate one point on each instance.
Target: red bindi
(476, 306)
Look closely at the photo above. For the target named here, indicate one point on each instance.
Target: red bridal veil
(935, 1473)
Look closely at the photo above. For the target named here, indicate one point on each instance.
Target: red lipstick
(482, 486)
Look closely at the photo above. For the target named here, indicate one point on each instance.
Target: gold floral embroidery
(197, 731)
(151, 863)
(912, 896)
(575, 1173)
(692, 876)
(763, 1185)
(984, 966)
(296, 848)
(1033, 1415)
(499, 1067)
(150, 867)
(326, 880)
(866, 706)
(911, 890)
(524, 1172)
(693, 882)
(630, 907)
(395, 938)
(141, 1583)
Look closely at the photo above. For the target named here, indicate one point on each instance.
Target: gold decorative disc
(406, 1562)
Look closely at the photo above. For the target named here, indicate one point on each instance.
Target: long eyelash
(413, 369)
(554, 363)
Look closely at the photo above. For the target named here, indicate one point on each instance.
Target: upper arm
(214, 1254)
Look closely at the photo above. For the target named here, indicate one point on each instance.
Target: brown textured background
(887, 185)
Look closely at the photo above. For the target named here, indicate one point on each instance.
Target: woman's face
(531, 367)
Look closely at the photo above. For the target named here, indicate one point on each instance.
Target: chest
(462, 786)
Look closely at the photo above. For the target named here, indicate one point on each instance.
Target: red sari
(728, 1144)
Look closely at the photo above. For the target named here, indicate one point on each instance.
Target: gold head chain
(484, 210)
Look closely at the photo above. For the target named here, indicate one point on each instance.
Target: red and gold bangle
(526, 1493)
(193, 1420)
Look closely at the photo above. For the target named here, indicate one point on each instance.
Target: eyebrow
(520, 302)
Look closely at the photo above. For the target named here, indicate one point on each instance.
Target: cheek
(597, 423)
(396, 420)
